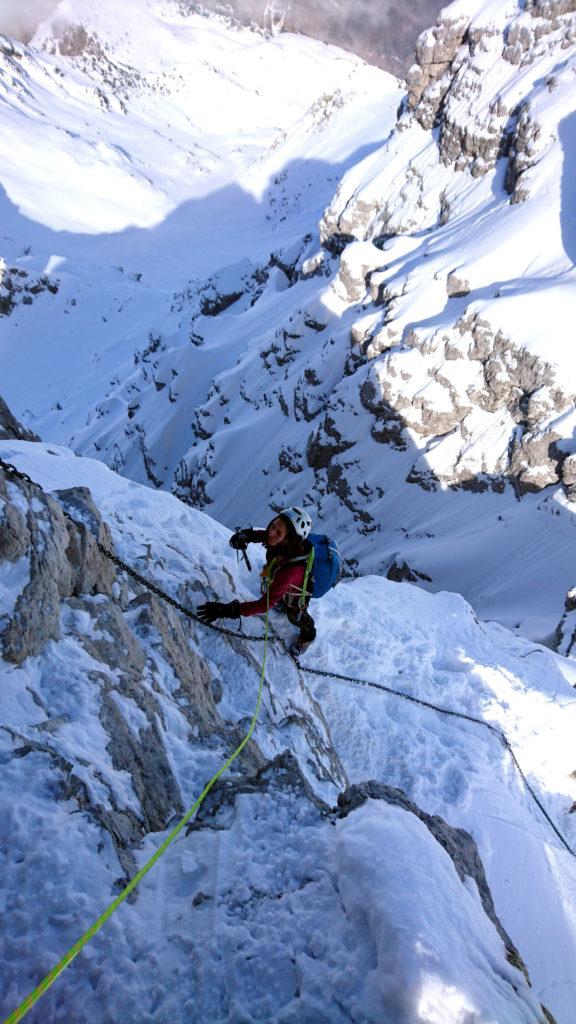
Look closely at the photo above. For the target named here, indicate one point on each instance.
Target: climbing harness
(44, 985)
(304, 592)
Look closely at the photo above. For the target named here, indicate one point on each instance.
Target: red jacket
(287, 582)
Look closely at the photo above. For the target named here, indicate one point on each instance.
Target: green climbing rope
(56, 971)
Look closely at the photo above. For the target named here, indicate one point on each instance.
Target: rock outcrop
(11, 429)
(566, 629)
(133, 657)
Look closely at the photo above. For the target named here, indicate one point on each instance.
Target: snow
(162, 195)
(14, 577)
(420, 939)
(431, 975)
(186, 206)
(141, 193)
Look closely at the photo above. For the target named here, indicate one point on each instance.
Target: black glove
(212, 610)
(240, 540)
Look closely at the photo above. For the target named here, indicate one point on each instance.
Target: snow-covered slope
(117, 709)
(410, 379)
(180, 159)
(370, 28)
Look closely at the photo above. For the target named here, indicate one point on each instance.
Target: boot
(299, 646)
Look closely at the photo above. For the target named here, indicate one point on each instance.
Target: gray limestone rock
(324, 444)
(569, 476)
(535, 461)
(550, 9)
(339, 229)
(523, 154)
(64, 560)
(389, 425)
(14, 532)
(165, 630)
(428, 79)
(93, 572)
(566, 629)
(11, 429)
(456, 285)
(36, 617)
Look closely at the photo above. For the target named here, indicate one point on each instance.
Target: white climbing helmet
(300, 520)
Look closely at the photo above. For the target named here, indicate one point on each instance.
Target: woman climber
(287, 555)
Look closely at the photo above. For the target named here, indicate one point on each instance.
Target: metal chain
(453, 714)
(21, 475)
(11, 471)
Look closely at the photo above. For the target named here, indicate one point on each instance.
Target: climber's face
(277, 532)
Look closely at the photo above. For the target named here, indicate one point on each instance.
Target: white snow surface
(294, 919)
(163, 165)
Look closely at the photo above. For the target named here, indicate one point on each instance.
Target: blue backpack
(322, 566)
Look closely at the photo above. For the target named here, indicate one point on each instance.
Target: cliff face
(405, 370)
(116, 711)
(10, 428)
(490, 90)
(370, 29)
(442, 332)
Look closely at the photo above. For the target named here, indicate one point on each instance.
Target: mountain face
(254, 271)
(10, 428)
(302, 876)
(377, 31)
(403, 369)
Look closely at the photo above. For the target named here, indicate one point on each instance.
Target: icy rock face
(63, 560)
(331, 879)
(11, 428)
(67, 595)
(119, 718)
(446, 385)
(459, 845)
(128, 651)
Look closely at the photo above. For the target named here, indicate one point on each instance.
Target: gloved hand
(212, 610)
(240, 540)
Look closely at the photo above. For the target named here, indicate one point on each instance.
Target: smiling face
(277, 532)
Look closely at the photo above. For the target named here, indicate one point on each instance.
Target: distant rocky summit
(371, 28)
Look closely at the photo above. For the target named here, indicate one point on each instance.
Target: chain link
(11, 471)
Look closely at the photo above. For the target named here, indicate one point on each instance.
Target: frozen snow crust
(270, 909)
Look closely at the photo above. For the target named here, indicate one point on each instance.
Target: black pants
(301, 617)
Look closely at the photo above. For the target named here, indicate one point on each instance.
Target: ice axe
(243, 551)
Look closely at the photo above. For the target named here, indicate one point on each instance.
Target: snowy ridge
(122, 710)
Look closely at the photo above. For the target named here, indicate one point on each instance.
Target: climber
(288, 553)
